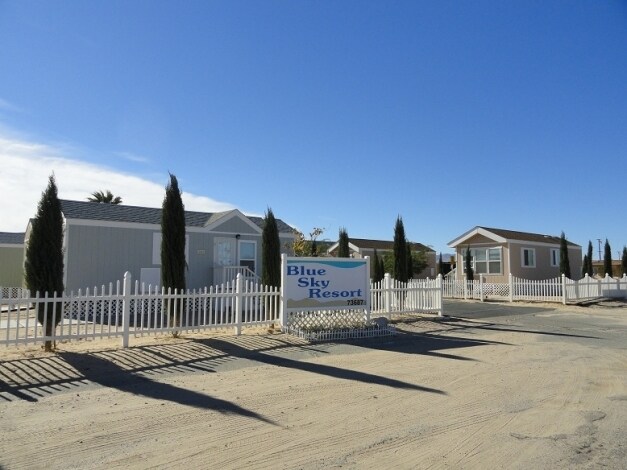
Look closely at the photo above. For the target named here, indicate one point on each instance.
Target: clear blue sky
(449, 113)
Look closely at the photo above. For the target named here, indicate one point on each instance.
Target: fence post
(387, 294)
(238, 304)
(510, 280)
(441, 300)
(563, 288)
(481, 287)
(126, 309)
(465, 287)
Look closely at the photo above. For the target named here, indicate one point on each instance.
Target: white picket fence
(390, 296)
(559, 289)
(125, 309)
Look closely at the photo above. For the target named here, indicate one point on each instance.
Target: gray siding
(11, 266)
(235, 225)
(99, 255)
(200, 261)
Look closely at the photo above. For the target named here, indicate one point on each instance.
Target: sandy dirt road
(533, 387)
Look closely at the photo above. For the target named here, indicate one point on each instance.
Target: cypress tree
(381, 267)
(173, 263)
(564, 262)
(410, 262)
(400, 251)
(584, 266)
(343, 249)
(313, 249)
(440, 265)
(589, 269)
(470, 275)
(379, 270)
(43, 266)
(271, 251)
(623, 261)
(607, 259)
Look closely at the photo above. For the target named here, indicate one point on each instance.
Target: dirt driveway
(533, 387)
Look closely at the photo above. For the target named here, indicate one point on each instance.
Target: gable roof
(383, 245)
(503, 236)
(11, 238)
(85, 210)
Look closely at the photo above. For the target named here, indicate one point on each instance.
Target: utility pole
(599, 240)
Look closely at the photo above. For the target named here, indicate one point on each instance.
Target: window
(485, 260)
(247, 254)
(528, 258)
(555, 257)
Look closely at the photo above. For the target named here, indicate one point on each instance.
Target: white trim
(557, 257)
(476, 231)
(481, 231)
(234, 213)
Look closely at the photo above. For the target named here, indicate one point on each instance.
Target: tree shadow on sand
(279, 361)
(110, 375)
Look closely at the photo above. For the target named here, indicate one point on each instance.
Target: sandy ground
(534, 390)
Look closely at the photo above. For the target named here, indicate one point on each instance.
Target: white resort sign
(325, 283)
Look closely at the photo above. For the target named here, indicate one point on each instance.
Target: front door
(224, 254)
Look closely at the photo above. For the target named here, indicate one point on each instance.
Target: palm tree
(105, 197)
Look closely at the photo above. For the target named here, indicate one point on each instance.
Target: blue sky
(451, 114)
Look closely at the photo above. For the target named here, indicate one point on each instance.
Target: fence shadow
(128, 371)
(110, 375)
(466, 324)
(423, 344)
(264, 357)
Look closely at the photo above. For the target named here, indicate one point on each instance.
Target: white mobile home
(103, 241)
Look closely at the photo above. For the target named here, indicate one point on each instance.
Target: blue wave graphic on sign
(336, 264)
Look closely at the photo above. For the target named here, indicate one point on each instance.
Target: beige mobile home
(497, 252)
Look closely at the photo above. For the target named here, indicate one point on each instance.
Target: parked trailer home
(496, 253)
(103, 241)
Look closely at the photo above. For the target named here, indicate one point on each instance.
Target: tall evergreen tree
(564, 262)
(379, 270)
(410, 262)
(342, 248)
(470, 274)
(589, 268)
(314, 248)
(607, 259)
(271, 251)
(173, 262)
(381, 267)
(623, 261)
(584, 266)
(400, 252)
(440, 265)
(43, 266)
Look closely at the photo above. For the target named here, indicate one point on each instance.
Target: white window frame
(533, 257)
(487, 260)
(555, 257)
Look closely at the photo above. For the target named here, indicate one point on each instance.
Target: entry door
(224, 254)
